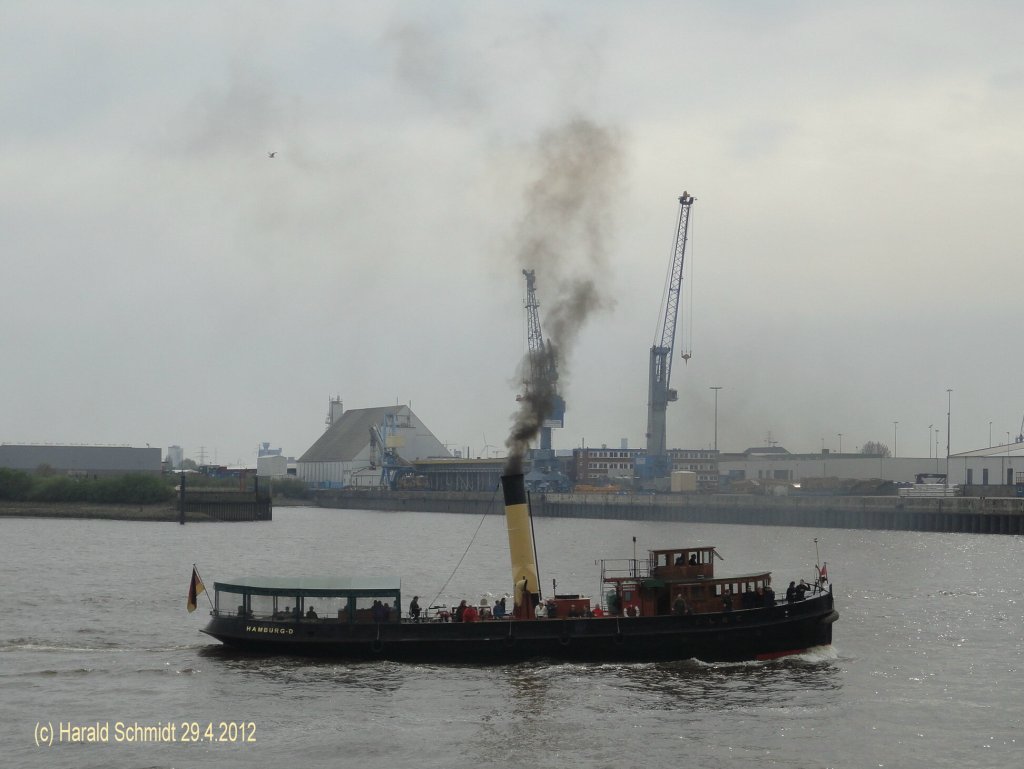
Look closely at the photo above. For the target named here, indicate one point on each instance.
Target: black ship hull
(750, 634)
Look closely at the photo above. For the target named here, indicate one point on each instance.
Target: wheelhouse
(680, 580)
(305, 599)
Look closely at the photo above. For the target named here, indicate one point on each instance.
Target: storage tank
(684, 480)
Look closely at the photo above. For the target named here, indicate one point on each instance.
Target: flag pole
(817, 564)
(208, 592)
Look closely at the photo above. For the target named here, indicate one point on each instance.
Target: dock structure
(969, 515)
(221, 505)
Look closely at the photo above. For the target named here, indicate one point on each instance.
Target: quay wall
(972, 515)
(227, 505)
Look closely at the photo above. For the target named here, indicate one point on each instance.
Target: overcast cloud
(858, 169)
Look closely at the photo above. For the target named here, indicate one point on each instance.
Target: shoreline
(161, 512)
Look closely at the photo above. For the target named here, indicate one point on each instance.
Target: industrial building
(996, 466)
(603, 465)
(94, 461)
(271, 463)
(367, 447)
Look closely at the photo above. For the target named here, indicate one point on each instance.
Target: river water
(925, 670)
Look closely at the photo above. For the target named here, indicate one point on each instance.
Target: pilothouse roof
(312, 586)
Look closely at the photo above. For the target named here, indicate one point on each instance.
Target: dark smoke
(563, 236)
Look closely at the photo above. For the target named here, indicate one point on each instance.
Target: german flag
(195, 587)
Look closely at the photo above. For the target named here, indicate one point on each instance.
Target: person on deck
(679, 607)
(499, 609)
(693, 559)
(791, 592)
(460, 612)
(414, 608)
(470, 614)
(310, 614)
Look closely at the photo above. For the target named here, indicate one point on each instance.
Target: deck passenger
(727, 601)
(614, 604)
(470, 614)
(791, 592)
(693, 559)
(679, 608)
(414, 608)
(679, 560)
(310, 613)
(801, 589)
(749, 599)
(499, 609)
(598, 612)
(460, 611)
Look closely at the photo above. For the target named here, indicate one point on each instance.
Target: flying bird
(271, 154)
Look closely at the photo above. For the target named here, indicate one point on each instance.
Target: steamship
(671, 606)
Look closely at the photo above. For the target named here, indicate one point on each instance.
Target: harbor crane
(384, 444)
(659, 393)
(542, 383)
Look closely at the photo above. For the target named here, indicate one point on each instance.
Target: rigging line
(471, 541)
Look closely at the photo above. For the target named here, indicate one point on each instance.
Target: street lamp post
(895, 422)
(716, 389)
(840, 443)
(949, 409)
(930, 441)
(990, 433)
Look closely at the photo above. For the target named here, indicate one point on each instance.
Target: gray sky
(858, 169)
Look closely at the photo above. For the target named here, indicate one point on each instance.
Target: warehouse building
(362, 446)
(94, 461)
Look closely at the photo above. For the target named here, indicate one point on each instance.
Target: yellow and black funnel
(520, 546)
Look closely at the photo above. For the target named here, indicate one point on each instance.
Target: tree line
(135, 489)
(44, 485)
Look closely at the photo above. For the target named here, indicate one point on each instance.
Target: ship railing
(613, 569)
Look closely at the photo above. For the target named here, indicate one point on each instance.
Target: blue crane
(659, 393)
(541, 382)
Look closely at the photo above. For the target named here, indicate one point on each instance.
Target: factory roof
(346, 438)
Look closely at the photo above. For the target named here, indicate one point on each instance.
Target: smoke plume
(564, 236)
